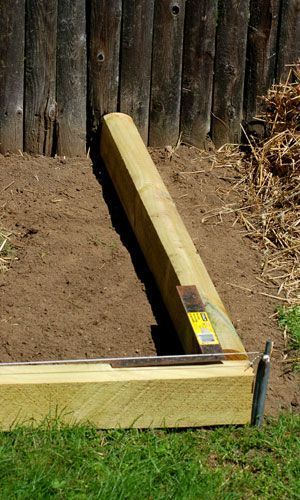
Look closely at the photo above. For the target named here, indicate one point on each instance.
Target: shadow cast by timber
(163, 333)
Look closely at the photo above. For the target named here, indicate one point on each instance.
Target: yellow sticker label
(203, 328)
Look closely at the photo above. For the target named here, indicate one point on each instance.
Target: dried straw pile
(271, 184)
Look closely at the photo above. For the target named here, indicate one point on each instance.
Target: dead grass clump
(271, 184)
(7, 252)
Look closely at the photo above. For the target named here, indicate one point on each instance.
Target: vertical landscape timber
(40, 76)
(261, 52)
(229, 75)
(198, 70)
(136, 54)
(12, 39)
(104, 53)
(71, 78)
(166, 72)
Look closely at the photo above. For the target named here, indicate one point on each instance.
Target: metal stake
(261, 385)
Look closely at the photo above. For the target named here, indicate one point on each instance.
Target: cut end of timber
(112, 116)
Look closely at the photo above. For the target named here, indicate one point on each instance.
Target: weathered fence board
(71, 78)
(180, 68)
(229, 70)
(261, 52)
(166, 72)
(12, 39)
(198, 70)
(104, 52)
(289, 37)
(137, 30)
(40, 76)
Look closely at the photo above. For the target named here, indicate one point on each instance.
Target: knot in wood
(101, 56)
(175, 9)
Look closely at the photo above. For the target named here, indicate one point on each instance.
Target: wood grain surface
(128, 397)
(168, 248)
(40, 76)
(198, 70)
(289, 37)
(12, 41)
(261, 52)
(166, 72)
(104, 52)
(71, 78)
(136, 57)
(229, 74)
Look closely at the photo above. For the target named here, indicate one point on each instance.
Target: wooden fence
(190, 66)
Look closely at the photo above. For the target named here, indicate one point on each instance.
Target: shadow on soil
(163, 334)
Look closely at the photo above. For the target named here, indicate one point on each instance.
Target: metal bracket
(206, 339)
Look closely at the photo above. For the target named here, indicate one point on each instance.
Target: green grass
(221, 463)
(289, 318)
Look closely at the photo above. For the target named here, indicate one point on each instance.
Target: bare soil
(79, 286)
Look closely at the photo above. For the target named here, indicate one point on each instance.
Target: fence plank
(12, 40)
(261, 52)
(71, 78)
(105, 30)
(166, 72)
(229, 70)
(137, 30)
(289, 37)
(40, 75)
(198, 70)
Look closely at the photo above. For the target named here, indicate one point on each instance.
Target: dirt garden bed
(77, 286)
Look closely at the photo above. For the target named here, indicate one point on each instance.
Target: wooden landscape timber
(127, 397)
(161, 234)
